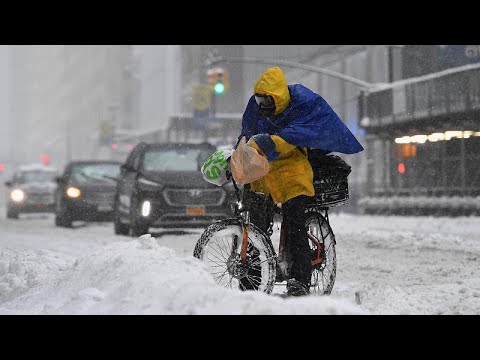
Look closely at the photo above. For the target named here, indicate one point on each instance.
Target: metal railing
(454, 91)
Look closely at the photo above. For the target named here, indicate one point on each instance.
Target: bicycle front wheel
(324, 258)
(220, 247)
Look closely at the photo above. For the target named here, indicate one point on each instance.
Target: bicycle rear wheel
(219, 247)
(324, 258)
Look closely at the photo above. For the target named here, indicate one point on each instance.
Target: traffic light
(219, 86)
(218, 79)
(45, 159)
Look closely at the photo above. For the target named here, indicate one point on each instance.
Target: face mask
(267, 111)
(266, 104)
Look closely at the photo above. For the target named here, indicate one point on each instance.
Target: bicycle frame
(282, 249)
(245, 255)
(245, 216)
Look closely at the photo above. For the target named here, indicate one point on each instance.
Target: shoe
(296, 288)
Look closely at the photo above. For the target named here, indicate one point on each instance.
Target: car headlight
(73, 192)
(146, 208)
(17, 195)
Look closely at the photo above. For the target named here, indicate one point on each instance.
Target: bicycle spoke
(258, 262)
(263, 261)
(220, 255)
(220, 248)
(215, 259)
(218, 258)
(254, 281)
(321, 235)
(219, 277)
(216, 265)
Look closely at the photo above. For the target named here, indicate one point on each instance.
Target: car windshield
(36, 176)
(99, 173)
(188, 159)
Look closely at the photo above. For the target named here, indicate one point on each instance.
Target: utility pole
(213, 60)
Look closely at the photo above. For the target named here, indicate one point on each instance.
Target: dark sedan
(85, 192)
(161, 186)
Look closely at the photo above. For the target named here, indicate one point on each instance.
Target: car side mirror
(59, 179)
(8, 183)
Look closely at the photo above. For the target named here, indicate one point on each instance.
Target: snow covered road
(397, 265)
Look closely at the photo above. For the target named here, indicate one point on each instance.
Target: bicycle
(240, 254)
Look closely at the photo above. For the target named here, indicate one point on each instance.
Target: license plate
(195, 211)
(103, 208)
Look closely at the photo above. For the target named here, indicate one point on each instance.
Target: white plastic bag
(214, 170)
(247, 165)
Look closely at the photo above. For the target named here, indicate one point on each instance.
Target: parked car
(31, 190)
(161, 186)
(85, 192)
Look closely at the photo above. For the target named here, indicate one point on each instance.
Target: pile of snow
(136, 277)
(22, 271)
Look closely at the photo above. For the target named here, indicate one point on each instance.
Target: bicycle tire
(324, 273)
(215, 249)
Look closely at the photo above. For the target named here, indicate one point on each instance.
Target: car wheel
(62, 217)
(139, 227)
(62, 221)
(12, 214)
(119, 227)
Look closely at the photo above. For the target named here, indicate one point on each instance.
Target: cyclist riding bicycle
(280, 123)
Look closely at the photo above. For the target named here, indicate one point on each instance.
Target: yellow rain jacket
(290, 173)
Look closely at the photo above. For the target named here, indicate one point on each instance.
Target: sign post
(201, 107)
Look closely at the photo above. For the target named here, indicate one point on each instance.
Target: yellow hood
(272, 82)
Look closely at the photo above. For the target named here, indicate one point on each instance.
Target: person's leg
(297, 245)
(261, 214)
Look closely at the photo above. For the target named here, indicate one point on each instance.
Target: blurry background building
(423, 134)
(67, 100)
(160, 84)
(367, 63)
(20, 110)
(5, 125)
(81, 93)
(159, 74)
(96, 101)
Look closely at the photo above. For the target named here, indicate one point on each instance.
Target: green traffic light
(219, 88)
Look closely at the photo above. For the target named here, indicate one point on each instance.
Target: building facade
(80, 94)
(423, 134)
(159, 84)
(5, 127)
(20, 96)
(371, 64)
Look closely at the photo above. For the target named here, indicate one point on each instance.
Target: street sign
(202, 97)
(106, 132)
